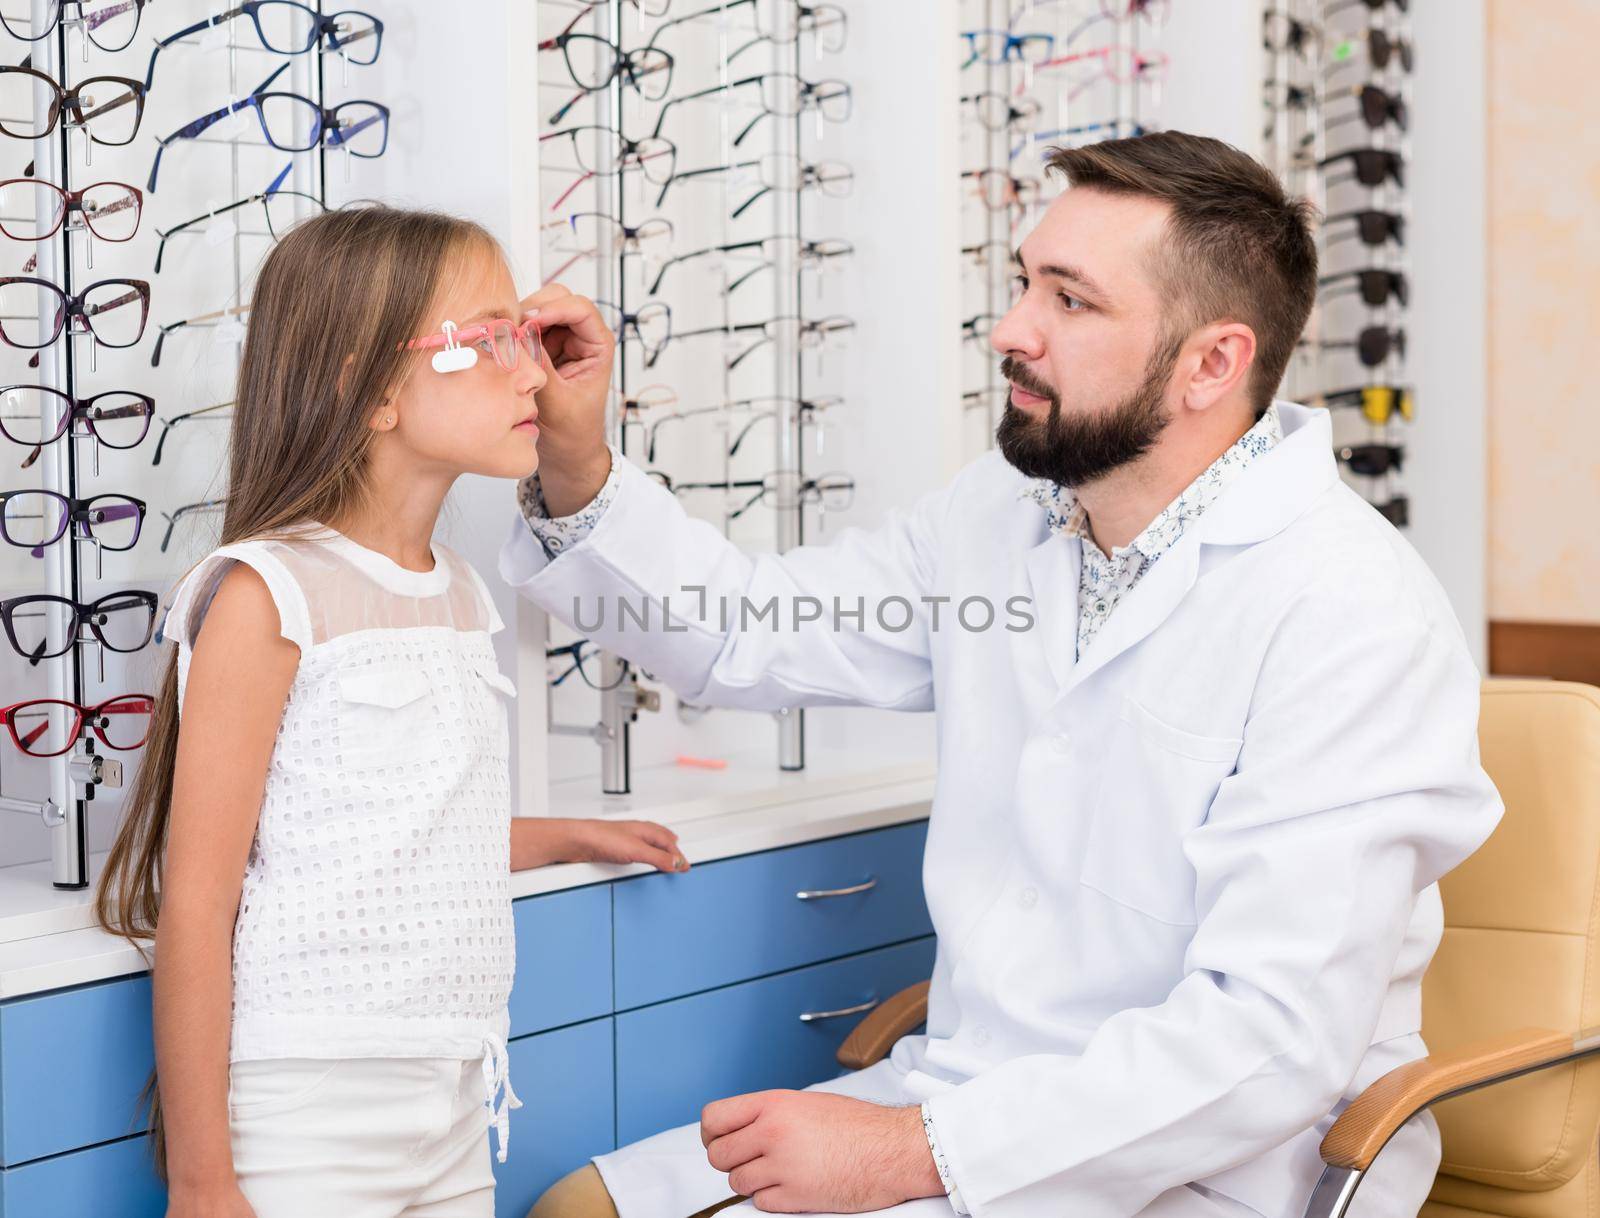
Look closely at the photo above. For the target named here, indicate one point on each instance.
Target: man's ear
(1227, 351)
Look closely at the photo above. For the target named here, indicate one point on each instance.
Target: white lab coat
(1184, 887)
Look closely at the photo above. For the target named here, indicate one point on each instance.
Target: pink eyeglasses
(503, 339)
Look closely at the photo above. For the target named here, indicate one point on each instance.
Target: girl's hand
(627, 841)
(221, 1201)
(578, 348)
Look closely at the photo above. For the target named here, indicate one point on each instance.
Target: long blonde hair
(334, 301)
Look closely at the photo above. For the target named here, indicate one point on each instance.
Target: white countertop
(48, 938)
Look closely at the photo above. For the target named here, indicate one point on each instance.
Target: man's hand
(578, 347)
(799, 1152)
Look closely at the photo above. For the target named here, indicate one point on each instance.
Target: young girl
(330, 827)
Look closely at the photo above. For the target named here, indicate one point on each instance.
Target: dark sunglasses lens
(33, 518)
(1374, 106)
(31, 414)
(41, 627)
(122, 621)
(1375, 344)
(1397, 511)
(286, 28)
(1372, 460)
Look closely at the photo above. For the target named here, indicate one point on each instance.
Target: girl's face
(477, 420)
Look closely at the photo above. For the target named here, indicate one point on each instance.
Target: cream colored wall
(1544, 325)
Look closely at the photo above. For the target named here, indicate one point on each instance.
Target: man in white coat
(1195, 787)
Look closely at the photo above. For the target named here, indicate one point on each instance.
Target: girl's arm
(239, 677)
(538, 840)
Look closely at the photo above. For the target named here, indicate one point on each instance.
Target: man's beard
(1078, 448)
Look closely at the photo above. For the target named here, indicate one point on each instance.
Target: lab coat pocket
(1156, 785)
(385, 717)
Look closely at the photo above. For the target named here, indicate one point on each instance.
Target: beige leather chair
(1511, 1001)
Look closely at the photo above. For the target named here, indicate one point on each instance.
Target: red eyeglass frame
(122, 704)
(451, 336)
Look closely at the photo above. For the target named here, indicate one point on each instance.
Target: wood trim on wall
(1566, 652)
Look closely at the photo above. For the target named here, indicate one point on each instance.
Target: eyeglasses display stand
(59, 787)
(724, 172)
(74, 776)
(1034, 75)
(1335, 130)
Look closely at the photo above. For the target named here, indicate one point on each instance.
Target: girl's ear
(383, 418)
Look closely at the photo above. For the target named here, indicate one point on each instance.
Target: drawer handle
(813, 1016)
(817, 894)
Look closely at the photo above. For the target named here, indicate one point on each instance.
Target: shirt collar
(1065, 514)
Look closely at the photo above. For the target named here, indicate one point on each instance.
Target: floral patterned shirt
(558, 533)
(1104, 580)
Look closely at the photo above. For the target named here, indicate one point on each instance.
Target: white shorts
(377, 1137)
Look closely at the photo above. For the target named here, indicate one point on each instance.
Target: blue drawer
(563, 959)
(72, 1064)
(740, 918)
(111, 1181)
(568, 1115)
(675, 1058)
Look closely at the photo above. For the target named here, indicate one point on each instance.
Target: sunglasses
(503, 339)
(1375, 286)
(1373, 344)
(1397, 511)
(48, 727)
(1372, 460)
(1371, 226)
(43, 627)
(1372, 165)
(1380, 47)
(1375, 107)
(1378, 403)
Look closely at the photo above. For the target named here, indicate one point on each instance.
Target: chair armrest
(1373, 1116)
(871, 1039)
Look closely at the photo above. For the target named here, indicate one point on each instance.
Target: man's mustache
(1020, 376)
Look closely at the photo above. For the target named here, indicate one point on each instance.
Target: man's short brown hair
(1238, 247)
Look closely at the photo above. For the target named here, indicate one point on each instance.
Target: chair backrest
(1521, 948)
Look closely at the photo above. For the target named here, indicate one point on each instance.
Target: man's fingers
(735, 1149)
(577, 314)
(550, 292)
(724, 1116)
(753, 1178)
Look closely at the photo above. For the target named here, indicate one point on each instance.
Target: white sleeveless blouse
(375, 917)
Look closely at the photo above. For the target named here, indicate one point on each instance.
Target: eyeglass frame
(83, 615)
(82, 718)
(72, 200)
(79, 408)
(72, 306)
(78, 512)
(322, 26)
(327, 122)
(70, 99)
(89, 23)
(261, 197)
